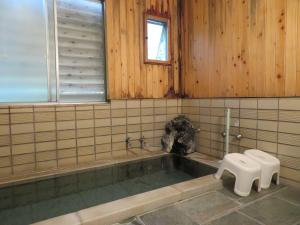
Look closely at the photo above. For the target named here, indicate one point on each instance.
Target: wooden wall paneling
(131, 36)
(298, 52)
(291, 47)
(280, 50)
(128, 76)
(116, 61)
(252, 48)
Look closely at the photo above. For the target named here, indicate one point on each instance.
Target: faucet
(128, 143)
(142, 142)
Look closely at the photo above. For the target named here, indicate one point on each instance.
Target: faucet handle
(239, 136)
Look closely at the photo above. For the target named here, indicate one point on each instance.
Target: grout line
(283, 199)
(76, 139)
(251, 218)
(10, 142)
(94, 136)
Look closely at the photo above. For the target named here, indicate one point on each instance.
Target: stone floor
(279, 205)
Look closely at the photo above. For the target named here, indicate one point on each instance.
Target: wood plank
(291, 48)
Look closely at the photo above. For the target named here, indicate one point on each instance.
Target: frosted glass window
(157, 37)
(23, 51)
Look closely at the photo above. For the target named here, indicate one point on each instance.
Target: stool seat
(269, 165)
(245, 170)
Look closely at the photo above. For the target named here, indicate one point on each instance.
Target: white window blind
(23, 51)
(80, 32)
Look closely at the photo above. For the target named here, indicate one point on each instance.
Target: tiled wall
(40, 138)
(269, 124)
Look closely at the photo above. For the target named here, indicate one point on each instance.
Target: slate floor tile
(204, 207)
(234, 219)
(273, 211)
(290, 194)
(167, 216)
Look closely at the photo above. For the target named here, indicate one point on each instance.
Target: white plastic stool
(245, 170)
(269, 166)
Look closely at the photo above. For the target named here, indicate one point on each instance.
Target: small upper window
(157, 48)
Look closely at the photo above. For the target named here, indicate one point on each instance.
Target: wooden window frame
(164, 19)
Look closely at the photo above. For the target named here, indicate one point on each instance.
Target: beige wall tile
(267, 125)
(45, 126)
(103, 131)
(4, 140)
(118, 130)
(80, 124)
(84, 107)
(67, 162)
(61, 108)
(65, 116)
(147, 103)
(86, 150)
(103, 139)
(160, 118)
(44, 109)
(4, 119)
(44, 116)
(45, 156)
(160, 102)
(248, 133)
(5, 161)
(86, 159)
(24, 169)
(147, 126)
(172, 110)
(66, 153)
(21, 128)
(248, 143)
(99, 114)
(45, 136)
(205, 103)
(22, 149)
(133, 104)
(84, 115)
(118, 121)
(88, 132)
(289, 103)
(102, 122)
(267, 146)
(104, 156)
(45, 146)
(118, 104)
(103, 148)
(85, 141)
(289, 139)
(218, 103)
(118, 138)
(22, 138)
(102, 106)
(118, 113)
(172, 102)
(21, 109)
(290, 174)
(70, 143)
(289, 116)
(5, 171)
(268, 114)
(119, 146)
(292, 128)
(46, 165)
(134, 120)
(147, 111)
(232, 103)
(288, 150)
(268, 103)
(267, 136)
(248, 103)
(66, 134)
(4, 110)
(133, 112)
(248, 113)
(4, 130)
(23, 159)
(65, 125)
(160, 111)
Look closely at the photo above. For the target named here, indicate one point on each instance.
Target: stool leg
(219, 174)
(259, 185)
(243, 186)
(277, 178)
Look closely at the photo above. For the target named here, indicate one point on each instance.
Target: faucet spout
(142, 142)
